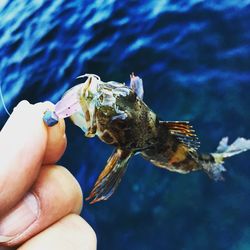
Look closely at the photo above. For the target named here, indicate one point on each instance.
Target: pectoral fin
(111, 176)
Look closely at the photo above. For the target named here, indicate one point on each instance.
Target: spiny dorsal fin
(184, 132)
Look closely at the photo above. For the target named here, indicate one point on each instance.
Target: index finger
(23, 142)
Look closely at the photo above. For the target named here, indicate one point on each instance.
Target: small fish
(119, 117)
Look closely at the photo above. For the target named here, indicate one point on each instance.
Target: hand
(40, 202)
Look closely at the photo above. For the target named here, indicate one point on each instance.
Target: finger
(23, 142)
(22, 145)
(71, 232)
(55, 194)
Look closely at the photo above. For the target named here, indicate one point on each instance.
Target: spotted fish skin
(128, 124)
(131, 125)
(114, 113)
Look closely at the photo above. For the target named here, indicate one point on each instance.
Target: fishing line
(1, 91)
(2, 99)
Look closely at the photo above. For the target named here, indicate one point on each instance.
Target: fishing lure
(119, 117)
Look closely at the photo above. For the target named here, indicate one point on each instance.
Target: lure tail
(214, 168)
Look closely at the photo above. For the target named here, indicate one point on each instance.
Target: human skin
(40, 202)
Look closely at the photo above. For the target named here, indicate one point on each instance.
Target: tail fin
(238, 146)
(215, 169)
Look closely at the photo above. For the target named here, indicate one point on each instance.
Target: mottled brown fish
(116, 114)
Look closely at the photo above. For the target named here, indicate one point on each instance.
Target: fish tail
(213, 164)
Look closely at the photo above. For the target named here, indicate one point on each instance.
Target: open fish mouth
(79, 104)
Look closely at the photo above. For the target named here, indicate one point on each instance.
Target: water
(194, 59)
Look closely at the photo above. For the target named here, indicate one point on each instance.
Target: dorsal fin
(184, 132)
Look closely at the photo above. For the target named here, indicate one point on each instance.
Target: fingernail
(19, 219)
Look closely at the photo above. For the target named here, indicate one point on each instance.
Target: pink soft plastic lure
(67, 106)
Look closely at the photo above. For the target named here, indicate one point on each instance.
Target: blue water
(194, 58)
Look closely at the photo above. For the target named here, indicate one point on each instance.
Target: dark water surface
(194, 57)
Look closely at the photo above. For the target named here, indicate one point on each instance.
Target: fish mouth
(90, 86)
(79, 103)
(91, 79)
(88, 94)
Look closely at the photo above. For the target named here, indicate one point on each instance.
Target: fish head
(91, 99)
(104, 96)
(99, 100)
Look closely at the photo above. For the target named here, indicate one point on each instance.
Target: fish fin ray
(110, 177)
(184, 133)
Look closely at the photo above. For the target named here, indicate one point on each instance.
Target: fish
(119, 117)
